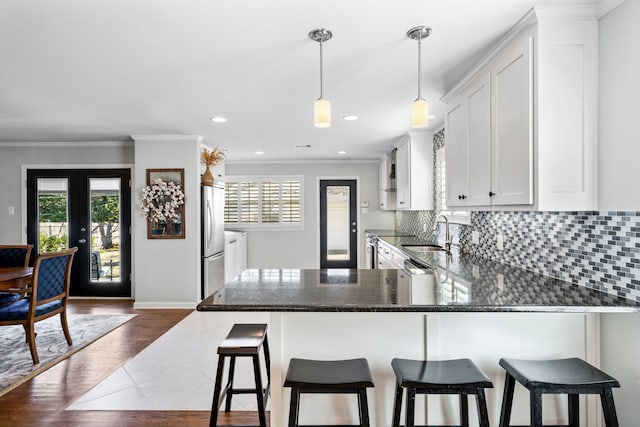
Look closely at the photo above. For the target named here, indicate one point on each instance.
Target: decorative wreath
(161, 201)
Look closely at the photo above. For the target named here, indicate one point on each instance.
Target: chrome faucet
(447, 243)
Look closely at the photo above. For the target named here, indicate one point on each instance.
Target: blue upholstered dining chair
(47, 297)
(13, 256)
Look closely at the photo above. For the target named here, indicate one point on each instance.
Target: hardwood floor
(42, 400)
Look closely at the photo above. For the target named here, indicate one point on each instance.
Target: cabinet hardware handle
(463, 197)
(491, 194)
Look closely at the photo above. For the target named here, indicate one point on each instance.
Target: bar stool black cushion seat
(333, 374)
(329, 376)
(459, 376)
(572, 376)
(558, 373)
(438, 373)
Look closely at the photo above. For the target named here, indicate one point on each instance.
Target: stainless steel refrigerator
(212, 239)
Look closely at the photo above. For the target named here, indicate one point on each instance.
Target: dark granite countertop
(476, 287)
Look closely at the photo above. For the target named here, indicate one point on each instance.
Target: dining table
(15, 279)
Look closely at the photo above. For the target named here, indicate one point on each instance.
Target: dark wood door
(338, 224)
(90, 209)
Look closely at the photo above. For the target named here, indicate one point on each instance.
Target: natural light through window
(263, 201)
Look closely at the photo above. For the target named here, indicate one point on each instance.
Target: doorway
(338, 223)
(90, 209)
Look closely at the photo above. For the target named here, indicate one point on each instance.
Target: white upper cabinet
(468, 146)
(414, 172)
(520, 127)
(512, 124)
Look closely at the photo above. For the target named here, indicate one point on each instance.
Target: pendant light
(420, 107)
(322, 107)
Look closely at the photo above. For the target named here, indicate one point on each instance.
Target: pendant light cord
(419, 68)
(321, 92)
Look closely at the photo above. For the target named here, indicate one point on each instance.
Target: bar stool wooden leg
(229, 388)
(574, 410)
(411, 407)
(507, 400)
(464, 410)
(363, 407)
(294, 407)
(609, 408)
(397, 406)
(536, 408)
(483, 413)
(215, 405)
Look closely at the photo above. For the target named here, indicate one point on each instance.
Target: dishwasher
(416, 284)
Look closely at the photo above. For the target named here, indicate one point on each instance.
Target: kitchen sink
(423, 248)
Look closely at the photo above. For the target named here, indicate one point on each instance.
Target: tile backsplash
(599, 250)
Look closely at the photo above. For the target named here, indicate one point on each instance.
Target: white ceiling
(100, 70)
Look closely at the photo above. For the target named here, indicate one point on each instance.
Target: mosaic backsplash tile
(599, 250)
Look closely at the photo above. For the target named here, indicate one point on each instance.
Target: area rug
(177, 371)
(16, 366)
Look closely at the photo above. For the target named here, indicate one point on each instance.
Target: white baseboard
(164, 304)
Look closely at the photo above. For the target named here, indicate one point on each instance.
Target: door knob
(83, 229)
(82, 241)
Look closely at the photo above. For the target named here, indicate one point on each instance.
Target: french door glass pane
(106, 200)
(53, 214)
(338, 227)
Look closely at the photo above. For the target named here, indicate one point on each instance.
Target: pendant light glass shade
(420, 114)
(322, 113)
(420, 107)
(322, 107)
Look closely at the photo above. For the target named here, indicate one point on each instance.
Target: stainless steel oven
(372, 251)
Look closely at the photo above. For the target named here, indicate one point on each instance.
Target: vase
(207, 177)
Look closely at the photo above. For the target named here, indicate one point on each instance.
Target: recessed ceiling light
(218, 119)
(259, 152)
(350, 117)
(432, 116)
(342, 152)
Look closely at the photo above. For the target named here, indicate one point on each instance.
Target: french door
(338, 224)
(90, 209)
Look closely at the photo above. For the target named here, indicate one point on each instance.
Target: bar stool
(560, 376)
(460, 376)
(329, 376)
(244, 340)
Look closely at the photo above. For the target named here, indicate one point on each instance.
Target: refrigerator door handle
(211, 225)
(215, 257)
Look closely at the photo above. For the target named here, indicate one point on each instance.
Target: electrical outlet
(12, 210)
(500, 242)
(500, 282)
(475, 237)
(424, 228)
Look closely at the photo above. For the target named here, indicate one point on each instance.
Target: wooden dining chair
(47, 297)
(13, 256)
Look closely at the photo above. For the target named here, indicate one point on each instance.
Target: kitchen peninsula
(469, 308)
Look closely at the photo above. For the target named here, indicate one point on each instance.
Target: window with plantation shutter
(263, 201)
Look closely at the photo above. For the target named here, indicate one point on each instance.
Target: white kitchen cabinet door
(242, 251)
(479, 143)
(468, 147)
(403, 183)
(512, 116)
(230, 255)
(456, 152)
(414, 172)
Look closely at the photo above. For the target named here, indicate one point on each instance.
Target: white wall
(12, 158)
(619, 108)
(166, 272)
(619, 143)
(301, 248)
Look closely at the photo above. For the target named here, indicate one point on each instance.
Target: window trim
(259, 179)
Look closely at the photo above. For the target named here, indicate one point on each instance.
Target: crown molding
(89, 144)
(605, 6)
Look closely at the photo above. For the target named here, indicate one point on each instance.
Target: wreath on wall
(161, 201)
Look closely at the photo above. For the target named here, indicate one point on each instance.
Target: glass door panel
(105, 199)
(53, 214)
(338, 225)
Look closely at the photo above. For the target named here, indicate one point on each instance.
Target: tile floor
(177, 371)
